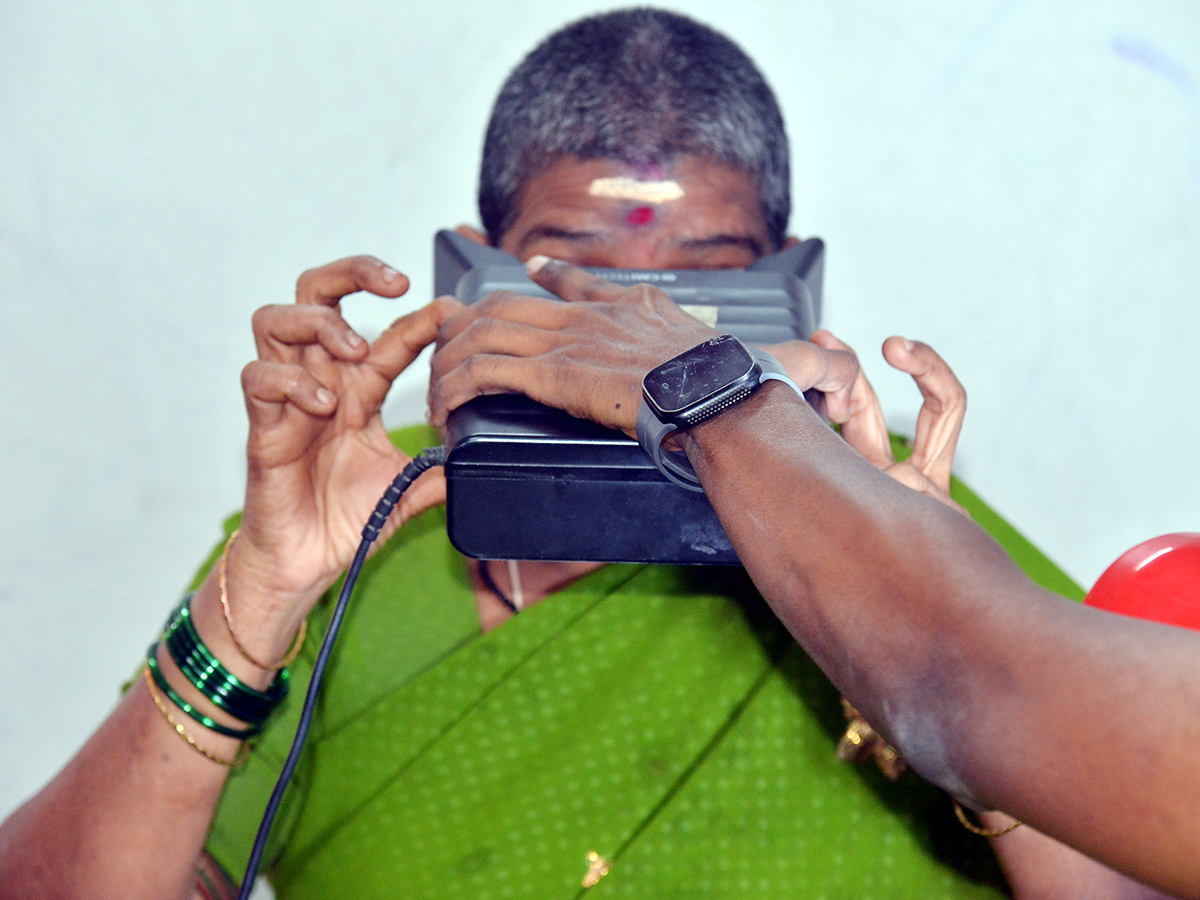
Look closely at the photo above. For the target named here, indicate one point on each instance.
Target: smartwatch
(692, 388)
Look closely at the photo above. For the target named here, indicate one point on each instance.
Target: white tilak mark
(625, 188)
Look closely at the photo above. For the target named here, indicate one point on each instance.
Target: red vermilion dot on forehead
(640, 215)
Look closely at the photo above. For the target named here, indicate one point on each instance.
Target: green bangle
(212, 679)
(173, 695)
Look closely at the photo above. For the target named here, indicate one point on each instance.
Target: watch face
(697, 374)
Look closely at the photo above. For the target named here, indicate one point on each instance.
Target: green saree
(657, 716)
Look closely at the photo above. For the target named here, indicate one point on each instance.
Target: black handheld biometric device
(524, 481)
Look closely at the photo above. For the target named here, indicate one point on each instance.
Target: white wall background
(1017, 183)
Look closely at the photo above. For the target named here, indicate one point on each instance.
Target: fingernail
(908, 345)
(354, 339)
(324, 396)
(390, 274)
(534, 264)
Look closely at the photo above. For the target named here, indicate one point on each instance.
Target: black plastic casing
(524, 481)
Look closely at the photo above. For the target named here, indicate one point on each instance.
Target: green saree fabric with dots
(658, 716)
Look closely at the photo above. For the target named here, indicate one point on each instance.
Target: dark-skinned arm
(1036, 866)
(1005, 695)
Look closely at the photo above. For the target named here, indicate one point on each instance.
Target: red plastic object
(1158, 580)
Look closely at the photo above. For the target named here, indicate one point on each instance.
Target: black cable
(426, 459)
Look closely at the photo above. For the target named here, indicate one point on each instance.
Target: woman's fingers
(269, 384)
(326, 285)
(859, 414)
(940, 420)
(283, 332)
(286, 406)
(810, 365)
(396, 349)
(912, 477)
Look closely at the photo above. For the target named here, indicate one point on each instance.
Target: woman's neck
(519, 583)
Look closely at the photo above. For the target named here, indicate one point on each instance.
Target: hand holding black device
(528, 482)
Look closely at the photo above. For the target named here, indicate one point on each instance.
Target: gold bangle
(975, 829)
(238, 758)
(297, 643)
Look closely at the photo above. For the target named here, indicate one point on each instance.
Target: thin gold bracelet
(297, 643)
(238, 758)
(976, 829)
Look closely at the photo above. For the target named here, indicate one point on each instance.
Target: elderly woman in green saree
(634, 730)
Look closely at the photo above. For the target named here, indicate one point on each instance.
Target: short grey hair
(641, 86)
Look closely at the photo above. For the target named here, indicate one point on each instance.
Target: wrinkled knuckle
(477, 331)
(305, 282)
(365, 262)
(561, 364)
(331, 327)
(446, 306)
(251, 373)
(475, 368)
(485, 328)
(293, 384)
(498, 298)
(952, 394)
(260, 321)
(649, 295)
